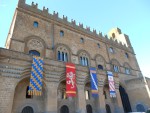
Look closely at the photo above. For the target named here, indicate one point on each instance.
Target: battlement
(55, 16)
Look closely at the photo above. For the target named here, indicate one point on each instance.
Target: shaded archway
(27, 109)
(125, 100)
(22, 99)
(64, 109)
(34, 52)
(140, 108)
(108, 110)
(89, 108)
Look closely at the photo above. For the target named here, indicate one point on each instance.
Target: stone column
(7, 89)
(51, 105)
(119, 108)
(101, 108)
(81, 103)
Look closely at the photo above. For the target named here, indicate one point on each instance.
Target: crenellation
(65, 18)
(94, 32)
(88, 28)
(34, 5)
(81, 25)
(55, 15)
(100, 34)
(73, 22)
(45, 10)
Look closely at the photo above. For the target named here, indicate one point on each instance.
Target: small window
(35, 24)
(126, 55)
(100, 67)
(98, 45)
(81, 40)
(27, 94)
(87, 95)
(111, 50)
(105, 94)
(61, 33)
(127, 71)
(34, 53)
(64, 96)
(116, 68)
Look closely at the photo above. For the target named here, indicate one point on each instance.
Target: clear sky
(131, 16)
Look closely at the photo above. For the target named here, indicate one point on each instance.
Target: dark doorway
(89, 108)
(27, 109)
(125, 100)
(64, 109)
(108, 110)
(140, 108)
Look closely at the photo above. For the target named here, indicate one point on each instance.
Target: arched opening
(34, 52)
(125, 100)
(64, 109)
(108, 110)
(27, 109)
(89, 108)
(140, 108)
(37, 102)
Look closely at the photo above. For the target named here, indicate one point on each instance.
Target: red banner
(70, 80)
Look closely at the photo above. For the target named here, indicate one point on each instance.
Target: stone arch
(100, 60)
(35, 43)
(84, 54)
(63, 100)
(27, 109)
(64, 109)
(115, 65)
(140, 107)
(108, 109)
(114, 61)
(63, 48)
(126, 65)
(89, 108)
(20, 101)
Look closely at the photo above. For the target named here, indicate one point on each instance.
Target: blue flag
(94, 82)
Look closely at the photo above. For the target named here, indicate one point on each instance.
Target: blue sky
(131, 16)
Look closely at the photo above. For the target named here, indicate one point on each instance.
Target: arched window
(105, 94)
(111, 50)
(108, 110)
(61, 33)
(126, 55)
(140, 108)
(62, 54)
(64, 96)
(84, 59)
(34, 52)
(100, 67)
(127, 70)
(81, 40)
(27, 109)
(116, 68)
(98, 45)
(89, 108)
(35, 24)
(64, 109)
(27, 94)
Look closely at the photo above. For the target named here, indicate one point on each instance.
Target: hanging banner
(70, 80)
(94, 82)
(111, 84)
(35, 86)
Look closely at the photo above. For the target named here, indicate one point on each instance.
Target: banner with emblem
(35, 86)
(111, 84)
(94, 82)
(70, 80)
